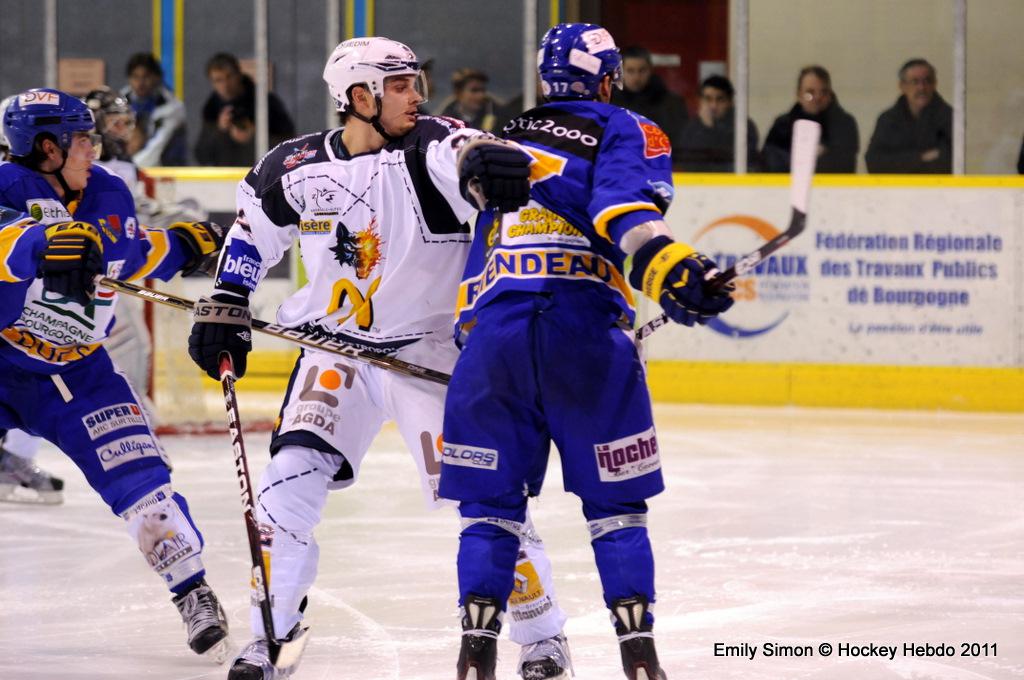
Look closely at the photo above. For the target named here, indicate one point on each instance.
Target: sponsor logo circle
(330, 380)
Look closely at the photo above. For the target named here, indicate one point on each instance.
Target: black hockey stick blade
(804, 153)
(301, 337)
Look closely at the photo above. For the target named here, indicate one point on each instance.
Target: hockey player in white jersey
(381, 215)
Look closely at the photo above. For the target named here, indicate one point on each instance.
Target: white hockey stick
(304, 338)
(283, 653)
(804, 153)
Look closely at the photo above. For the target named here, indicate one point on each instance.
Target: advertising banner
(881, 275)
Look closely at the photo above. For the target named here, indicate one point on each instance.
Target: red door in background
(686, 32)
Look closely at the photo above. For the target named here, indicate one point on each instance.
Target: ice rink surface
(779, 526)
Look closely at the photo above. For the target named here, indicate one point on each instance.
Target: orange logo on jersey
(527, 586)
(655, 141)
(368, 246)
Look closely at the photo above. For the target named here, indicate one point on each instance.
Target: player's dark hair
(147, 61)
(35, 158)
(720, 83)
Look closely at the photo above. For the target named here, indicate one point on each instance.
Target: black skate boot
(205, 620)
(546, 660)
(481, 623)
(21, 481)
(636, 640)
(253, 662)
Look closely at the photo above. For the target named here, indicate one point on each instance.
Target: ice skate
(206, 623)
(636, 640)
(481, 623)
(546, 660)
(253, 662)
(21, 481)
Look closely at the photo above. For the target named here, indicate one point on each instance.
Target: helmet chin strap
(373, 121)
(69, 193)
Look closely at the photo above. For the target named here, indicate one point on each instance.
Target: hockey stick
(283, 653)
(804, 152)
(304, 338)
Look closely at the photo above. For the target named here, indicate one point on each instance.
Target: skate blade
(290, 652)
(220, 652)
(15, 493)
(641, 674)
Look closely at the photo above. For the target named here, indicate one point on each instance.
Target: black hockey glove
(71, 260)
(675, 276)
(494, 175)
(220, 324)
(204, 239)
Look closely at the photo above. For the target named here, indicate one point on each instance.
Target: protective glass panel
(873, 120)
(995, 87)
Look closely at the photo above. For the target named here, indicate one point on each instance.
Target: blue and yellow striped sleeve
(22, 239)
(162, 254)
(632, 176)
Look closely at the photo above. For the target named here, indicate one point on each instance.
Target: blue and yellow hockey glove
(675, 276)
(71, 260)
(204, 239)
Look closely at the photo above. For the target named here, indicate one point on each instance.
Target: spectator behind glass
(159, 116)
(708, 139)
(471, 103)
(644, 92)
(228, 137)
(815, 101)
(915, 135)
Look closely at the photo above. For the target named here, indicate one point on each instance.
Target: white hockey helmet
(368, 62)
(4, 144)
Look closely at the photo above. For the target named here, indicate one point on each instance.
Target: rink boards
(903, 292)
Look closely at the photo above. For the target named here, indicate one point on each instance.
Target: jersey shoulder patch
(286, 157)
(656, 142)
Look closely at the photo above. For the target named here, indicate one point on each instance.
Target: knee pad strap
(522, 530)
(606, 525)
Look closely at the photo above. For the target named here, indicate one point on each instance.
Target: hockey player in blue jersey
(21, 480)
(382, 221)
(56, 379)
(545, 318)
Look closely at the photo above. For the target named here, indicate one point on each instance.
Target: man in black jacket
(708, 141)
(916, 134)
(644, 92)
(229, 116)
(837, 151)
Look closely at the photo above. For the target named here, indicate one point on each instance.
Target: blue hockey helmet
(574, 58)
(44, 110)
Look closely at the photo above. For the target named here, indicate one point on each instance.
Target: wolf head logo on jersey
(362, 250)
